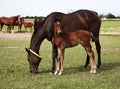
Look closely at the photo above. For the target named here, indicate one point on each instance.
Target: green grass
(110, 26)
(106, 26)
(14, 70)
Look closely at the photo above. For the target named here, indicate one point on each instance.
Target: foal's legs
(98, 48)
(60, 62)
(30, 29)
(92, 59)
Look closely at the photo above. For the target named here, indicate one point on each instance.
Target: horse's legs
(30, 29)
(58, 67)
(54, 56)
(0, 29)
(1, 26)
(25, 29)
(92, 59)
(87, 61)
(9, 29)
(98, 48)
(60, 62)
(20, 27)
(12, 30)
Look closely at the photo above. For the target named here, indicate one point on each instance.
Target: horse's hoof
(85, 66)
(98, 66)
(59, 73)
(51, 73)
(56, 73)
(93, 71)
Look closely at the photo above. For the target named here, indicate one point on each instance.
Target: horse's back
(81, 19)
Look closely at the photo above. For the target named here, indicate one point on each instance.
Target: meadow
(110, 26)
(14, 69)
(106, 26)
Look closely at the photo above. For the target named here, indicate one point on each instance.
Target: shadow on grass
(79, 69)
(110, 66)
(104, 67)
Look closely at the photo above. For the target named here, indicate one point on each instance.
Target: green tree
(110, 16)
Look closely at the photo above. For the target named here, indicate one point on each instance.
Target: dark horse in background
(19, 23)
(8, 22)
(81, 19)
(37, 21)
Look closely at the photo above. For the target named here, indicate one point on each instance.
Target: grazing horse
(37, 21)
(19, 24)
(71, 39)
(8, 21)
(81, 19)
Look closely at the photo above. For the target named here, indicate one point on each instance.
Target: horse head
(57, 26)
(37, 21)
(34, 60)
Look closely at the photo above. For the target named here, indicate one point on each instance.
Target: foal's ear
(58, 18)
(27, 49)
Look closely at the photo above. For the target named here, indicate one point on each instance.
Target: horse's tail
(93, 38)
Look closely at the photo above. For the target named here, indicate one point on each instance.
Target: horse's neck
(55, 30)
(36, 40)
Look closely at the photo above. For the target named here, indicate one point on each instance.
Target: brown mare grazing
(9, 22)
(19, 24)
(71, 39)
(27, 25)
(78, 20)
(37, 21)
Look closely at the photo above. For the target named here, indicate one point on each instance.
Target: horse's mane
(53, 15)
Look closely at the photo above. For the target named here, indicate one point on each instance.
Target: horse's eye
(58, 23)
(28, 59)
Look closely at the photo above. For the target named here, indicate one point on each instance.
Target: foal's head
(57, 27)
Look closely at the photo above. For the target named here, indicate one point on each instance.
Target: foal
(71, 39)
(28, 25)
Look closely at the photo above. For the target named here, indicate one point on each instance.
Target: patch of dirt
(111, 49)
(28, 35)
(15, 35)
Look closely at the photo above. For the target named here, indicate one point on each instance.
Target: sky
(45, 7)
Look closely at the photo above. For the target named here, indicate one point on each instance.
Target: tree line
(107, 16)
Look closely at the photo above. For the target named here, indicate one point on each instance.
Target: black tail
(93, 39)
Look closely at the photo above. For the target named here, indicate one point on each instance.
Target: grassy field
(110, 26)
(106, 26)
(14, 71)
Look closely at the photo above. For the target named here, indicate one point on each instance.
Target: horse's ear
(58, 18)
(27, 49)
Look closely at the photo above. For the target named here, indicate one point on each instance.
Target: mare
(19, 24)
(81, 19)
(37, 21)
(71, 39)
(9, 22)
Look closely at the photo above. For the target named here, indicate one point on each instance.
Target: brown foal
(71, 39)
